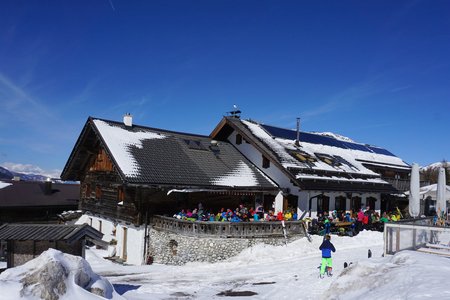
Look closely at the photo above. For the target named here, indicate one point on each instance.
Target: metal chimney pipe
(48, 190)
(297, 140)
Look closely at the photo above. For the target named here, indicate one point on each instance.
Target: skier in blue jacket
(327, 262)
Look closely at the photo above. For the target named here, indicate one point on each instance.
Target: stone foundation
(176, 249)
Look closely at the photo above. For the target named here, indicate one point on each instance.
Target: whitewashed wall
(273, 172)
(135, 237)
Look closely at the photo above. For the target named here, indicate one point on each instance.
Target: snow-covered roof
(4, 184)
(120, 142)
(431, 190)
(156, 156)
(321, 153)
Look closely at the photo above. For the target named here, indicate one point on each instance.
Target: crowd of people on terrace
(239, 214)
(362, 219)
(355, 222)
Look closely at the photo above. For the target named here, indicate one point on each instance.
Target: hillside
(6, 174)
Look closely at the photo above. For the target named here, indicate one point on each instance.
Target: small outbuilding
(27, 241)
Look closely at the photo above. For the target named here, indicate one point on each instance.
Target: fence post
(397, 240)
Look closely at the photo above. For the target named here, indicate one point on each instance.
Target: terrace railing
(259, 229)
(414, 235)
(402, 185)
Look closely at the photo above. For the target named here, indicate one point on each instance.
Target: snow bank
(55, 275)
(406, 275)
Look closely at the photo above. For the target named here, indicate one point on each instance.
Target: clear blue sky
(375, 71)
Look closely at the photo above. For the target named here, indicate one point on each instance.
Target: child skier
(327, 262)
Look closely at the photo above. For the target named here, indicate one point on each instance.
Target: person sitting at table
(288, 215)
(327, 226)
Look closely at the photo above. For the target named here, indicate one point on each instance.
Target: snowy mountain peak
(7, 174)
(436, 165)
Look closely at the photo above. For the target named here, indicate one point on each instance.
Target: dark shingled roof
(32, 193)
(43, 232)
(177, 159)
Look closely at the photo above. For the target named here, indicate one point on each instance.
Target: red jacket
(280, 216)
(360, 216)
(365, 219)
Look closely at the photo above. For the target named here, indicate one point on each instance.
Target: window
(303, 157)
(194, 144)
(323, 204)
(87, 191)
(99, 225)
(370, 202)
(340, 203)
(343, 161)
(120, 194)
(238, 139)
(356, 204)
(98, 192)
(265, 162)
(328, 159)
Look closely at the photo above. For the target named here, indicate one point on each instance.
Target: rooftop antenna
(235, 113)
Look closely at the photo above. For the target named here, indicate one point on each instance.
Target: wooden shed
(27, 241)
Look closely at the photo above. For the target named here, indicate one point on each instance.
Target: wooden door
(124, 245)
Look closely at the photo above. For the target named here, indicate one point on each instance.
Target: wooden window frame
(238, 139)
(120, 194)
(98, 192)
(265, 162)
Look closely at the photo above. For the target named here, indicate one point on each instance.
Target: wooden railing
(105, 208)
(401, 185)
(228, 229)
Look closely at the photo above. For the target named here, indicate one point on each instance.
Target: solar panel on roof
(380, 151)
(322, 140)
(354, 146)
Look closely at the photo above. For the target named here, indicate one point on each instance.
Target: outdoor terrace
(260, 229)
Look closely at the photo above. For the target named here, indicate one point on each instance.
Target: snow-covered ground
(289, 272)
(262, 272)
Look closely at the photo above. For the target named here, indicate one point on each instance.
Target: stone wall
(176, 249)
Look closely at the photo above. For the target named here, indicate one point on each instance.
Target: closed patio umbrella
(414, 200)
(441, 202)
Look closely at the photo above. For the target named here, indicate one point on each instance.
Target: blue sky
(375, 71)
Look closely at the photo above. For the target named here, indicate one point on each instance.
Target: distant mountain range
(430, 173)
(6, 174)
(436, 166)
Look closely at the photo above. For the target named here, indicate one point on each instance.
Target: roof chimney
(48, 187)
(128, 120)
(297, 140)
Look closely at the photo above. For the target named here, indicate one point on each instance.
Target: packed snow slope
(288, 272)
